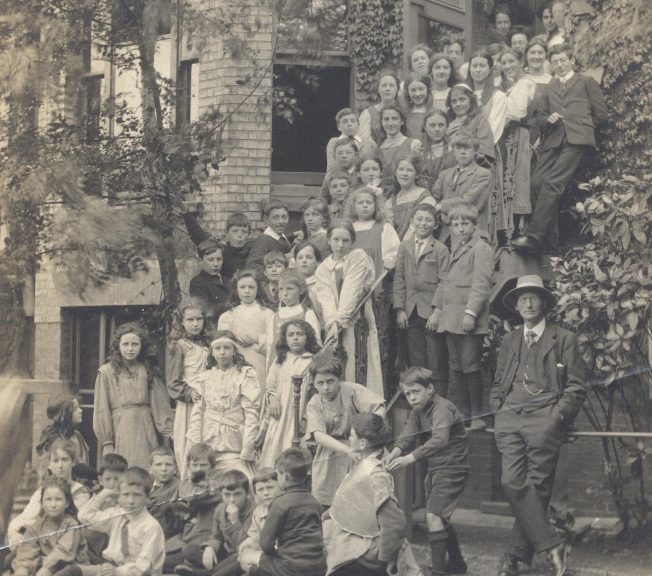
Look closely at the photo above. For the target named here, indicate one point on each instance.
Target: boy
(235, 250)
(195, 511)
(266, 488)
(207, 286)
(291, 539)
(165, 489)
(348, 124)
(338, 185)
(571, 107)
(345, 152)
(231, 521)
(467, 181)
(421, 265)
(276, 216)
(274, 263)
(437, 425)
(462, 309)
(136, 541)
(111, 470)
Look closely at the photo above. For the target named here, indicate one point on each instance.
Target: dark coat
(264, 244)
(582, 106)
(557, 346)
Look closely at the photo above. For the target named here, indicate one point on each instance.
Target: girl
(501, 18)
(62, 458)
(341, 280)
(187, 356)
(54, 541)
(354, 533)
(516, 200)
(307, 258)
(400, 206)
(442, 73)
(415, 100)
(380, 241)
(249, 319)
(228, 416)
(465, 115)
(419, 59)
(131, 401)
(491, 99)
(558, 12)
(314, 223)
(395, 144)
(66, 416)
(387, 85)
(295, 304)
(435, 151)
(370, 174)
(294, 350)
(536, 55)
(328, 423)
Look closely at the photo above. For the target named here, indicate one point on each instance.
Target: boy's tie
(124, 539)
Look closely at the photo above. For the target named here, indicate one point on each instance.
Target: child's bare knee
(435, 523)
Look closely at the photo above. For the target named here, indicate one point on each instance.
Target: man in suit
(538, 390)
(468, 181)
(273, 239)
(572, 107)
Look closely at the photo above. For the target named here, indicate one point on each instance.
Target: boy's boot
(456, 564)
(438, 543)
(474, 385)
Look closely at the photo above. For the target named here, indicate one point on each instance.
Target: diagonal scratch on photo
(325, 287)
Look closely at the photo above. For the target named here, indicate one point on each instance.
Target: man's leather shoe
(527, 244)
(559, 557)
(508, 566)
(457, 567)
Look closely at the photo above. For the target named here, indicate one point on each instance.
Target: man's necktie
(530, 338)
(124, 539)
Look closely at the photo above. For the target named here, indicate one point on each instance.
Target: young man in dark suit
(571, 108)
(273, 239)
(538, 390)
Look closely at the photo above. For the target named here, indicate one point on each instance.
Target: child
(395, 144)
(131, 402)
(291, 539)
(348, 125)
(342, 279)
(491, 99)
(236, 249)
(111, 470)
(366, 537)
(187, 356)
(228, 416)
(307, 258)
(273, 239)
(208, 286)
(329, 423)
(54, 541)
(416, 100)
(266, 488)
(462, 309)
(231, 522)
(465, 116)
(467, 181)
(249, 319)
(436, 154)
(380, 241)
(165, 489)
(199, 496)
(136, 540)
(315, 220)
(62, 458)
(370, 174)
(438, 421)
(294, 351)
(442, 74)
(386, 88)
(273, 265)
(421, 265)
(336, 189)
(402, 203)
(295, 304)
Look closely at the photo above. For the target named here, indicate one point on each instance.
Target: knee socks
(456, 564)
(438, 543)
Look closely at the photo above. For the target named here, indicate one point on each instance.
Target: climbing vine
(376, 40)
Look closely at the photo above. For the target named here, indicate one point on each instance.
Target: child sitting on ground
(440, 423)
(291, 539)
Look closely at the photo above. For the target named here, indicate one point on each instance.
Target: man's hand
(209, 558)
(433, 320)
(401, 320)
(468, 323)
(333, 332)
(554, 117)
(400, 463)
(395, 453)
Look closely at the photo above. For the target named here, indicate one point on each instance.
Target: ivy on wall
(376, 41)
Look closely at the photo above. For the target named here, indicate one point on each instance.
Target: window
(434, 33)
(187, 92)
(90, 107)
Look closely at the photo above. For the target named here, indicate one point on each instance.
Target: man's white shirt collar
(538, 329)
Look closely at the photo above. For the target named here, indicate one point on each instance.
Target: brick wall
(243, 179)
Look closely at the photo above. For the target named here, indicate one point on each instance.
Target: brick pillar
(242, 182)
(48, 327)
